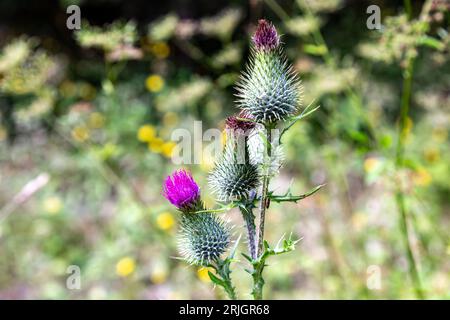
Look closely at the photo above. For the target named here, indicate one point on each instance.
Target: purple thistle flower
(266, 37)
(181, 190)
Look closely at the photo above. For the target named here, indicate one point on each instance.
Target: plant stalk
(399, 195)
(222, 269)
(258, 280)
(264, 188)
(249, 219)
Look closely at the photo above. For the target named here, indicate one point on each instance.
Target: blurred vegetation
(85, 142)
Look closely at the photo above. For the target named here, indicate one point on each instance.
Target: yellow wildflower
(370, 164)
(432, 155)
(154, 83)
(170, 119)
(422, 177)
(168, 148)
(165, 221)
(439, 135)
(156, 145)
(146, 133)
(53, 205)
(202, 274)
(80, 133)
(159, 274)
(161, 50)
(96, 120)
(125, 267)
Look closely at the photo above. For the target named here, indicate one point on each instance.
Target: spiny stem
(229, 289)
(249, 218)
(264, 188)
(222, 269)
(399, 195)
(258, 280)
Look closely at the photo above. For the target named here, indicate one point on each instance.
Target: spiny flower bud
(269, 90)
(182, 191)
(202, 238)
(233, 176)
(266, 36)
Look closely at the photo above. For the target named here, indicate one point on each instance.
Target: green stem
(263, 204)
(260, 263)
(229, 289)
(408, 8)
(249, 218)
(258, 280)
(222, 269)
(399, 195)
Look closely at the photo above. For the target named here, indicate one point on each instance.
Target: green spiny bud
(233, 176)
(269, 90)
(202, 238)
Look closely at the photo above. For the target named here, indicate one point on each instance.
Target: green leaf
(306, 112)
(315, 50)
(215, 279)
(288, 197)
(431, 42)
(222, 208)
(247, 257)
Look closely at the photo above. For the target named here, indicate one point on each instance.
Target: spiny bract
(233, 176)
(202, 238)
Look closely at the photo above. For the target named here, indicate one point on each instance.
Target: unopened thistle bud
(233, 176)
(269, 90)
(202, 238)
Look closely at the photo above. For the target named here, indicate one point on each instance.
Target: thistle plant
(203, 237)
(269, 95)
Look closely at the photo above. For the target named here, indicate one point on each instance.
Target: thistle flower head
(266, 37)
(181, 190)
(203, 238)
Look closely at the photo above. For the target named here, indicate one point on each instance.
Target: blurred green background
(85, 143)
